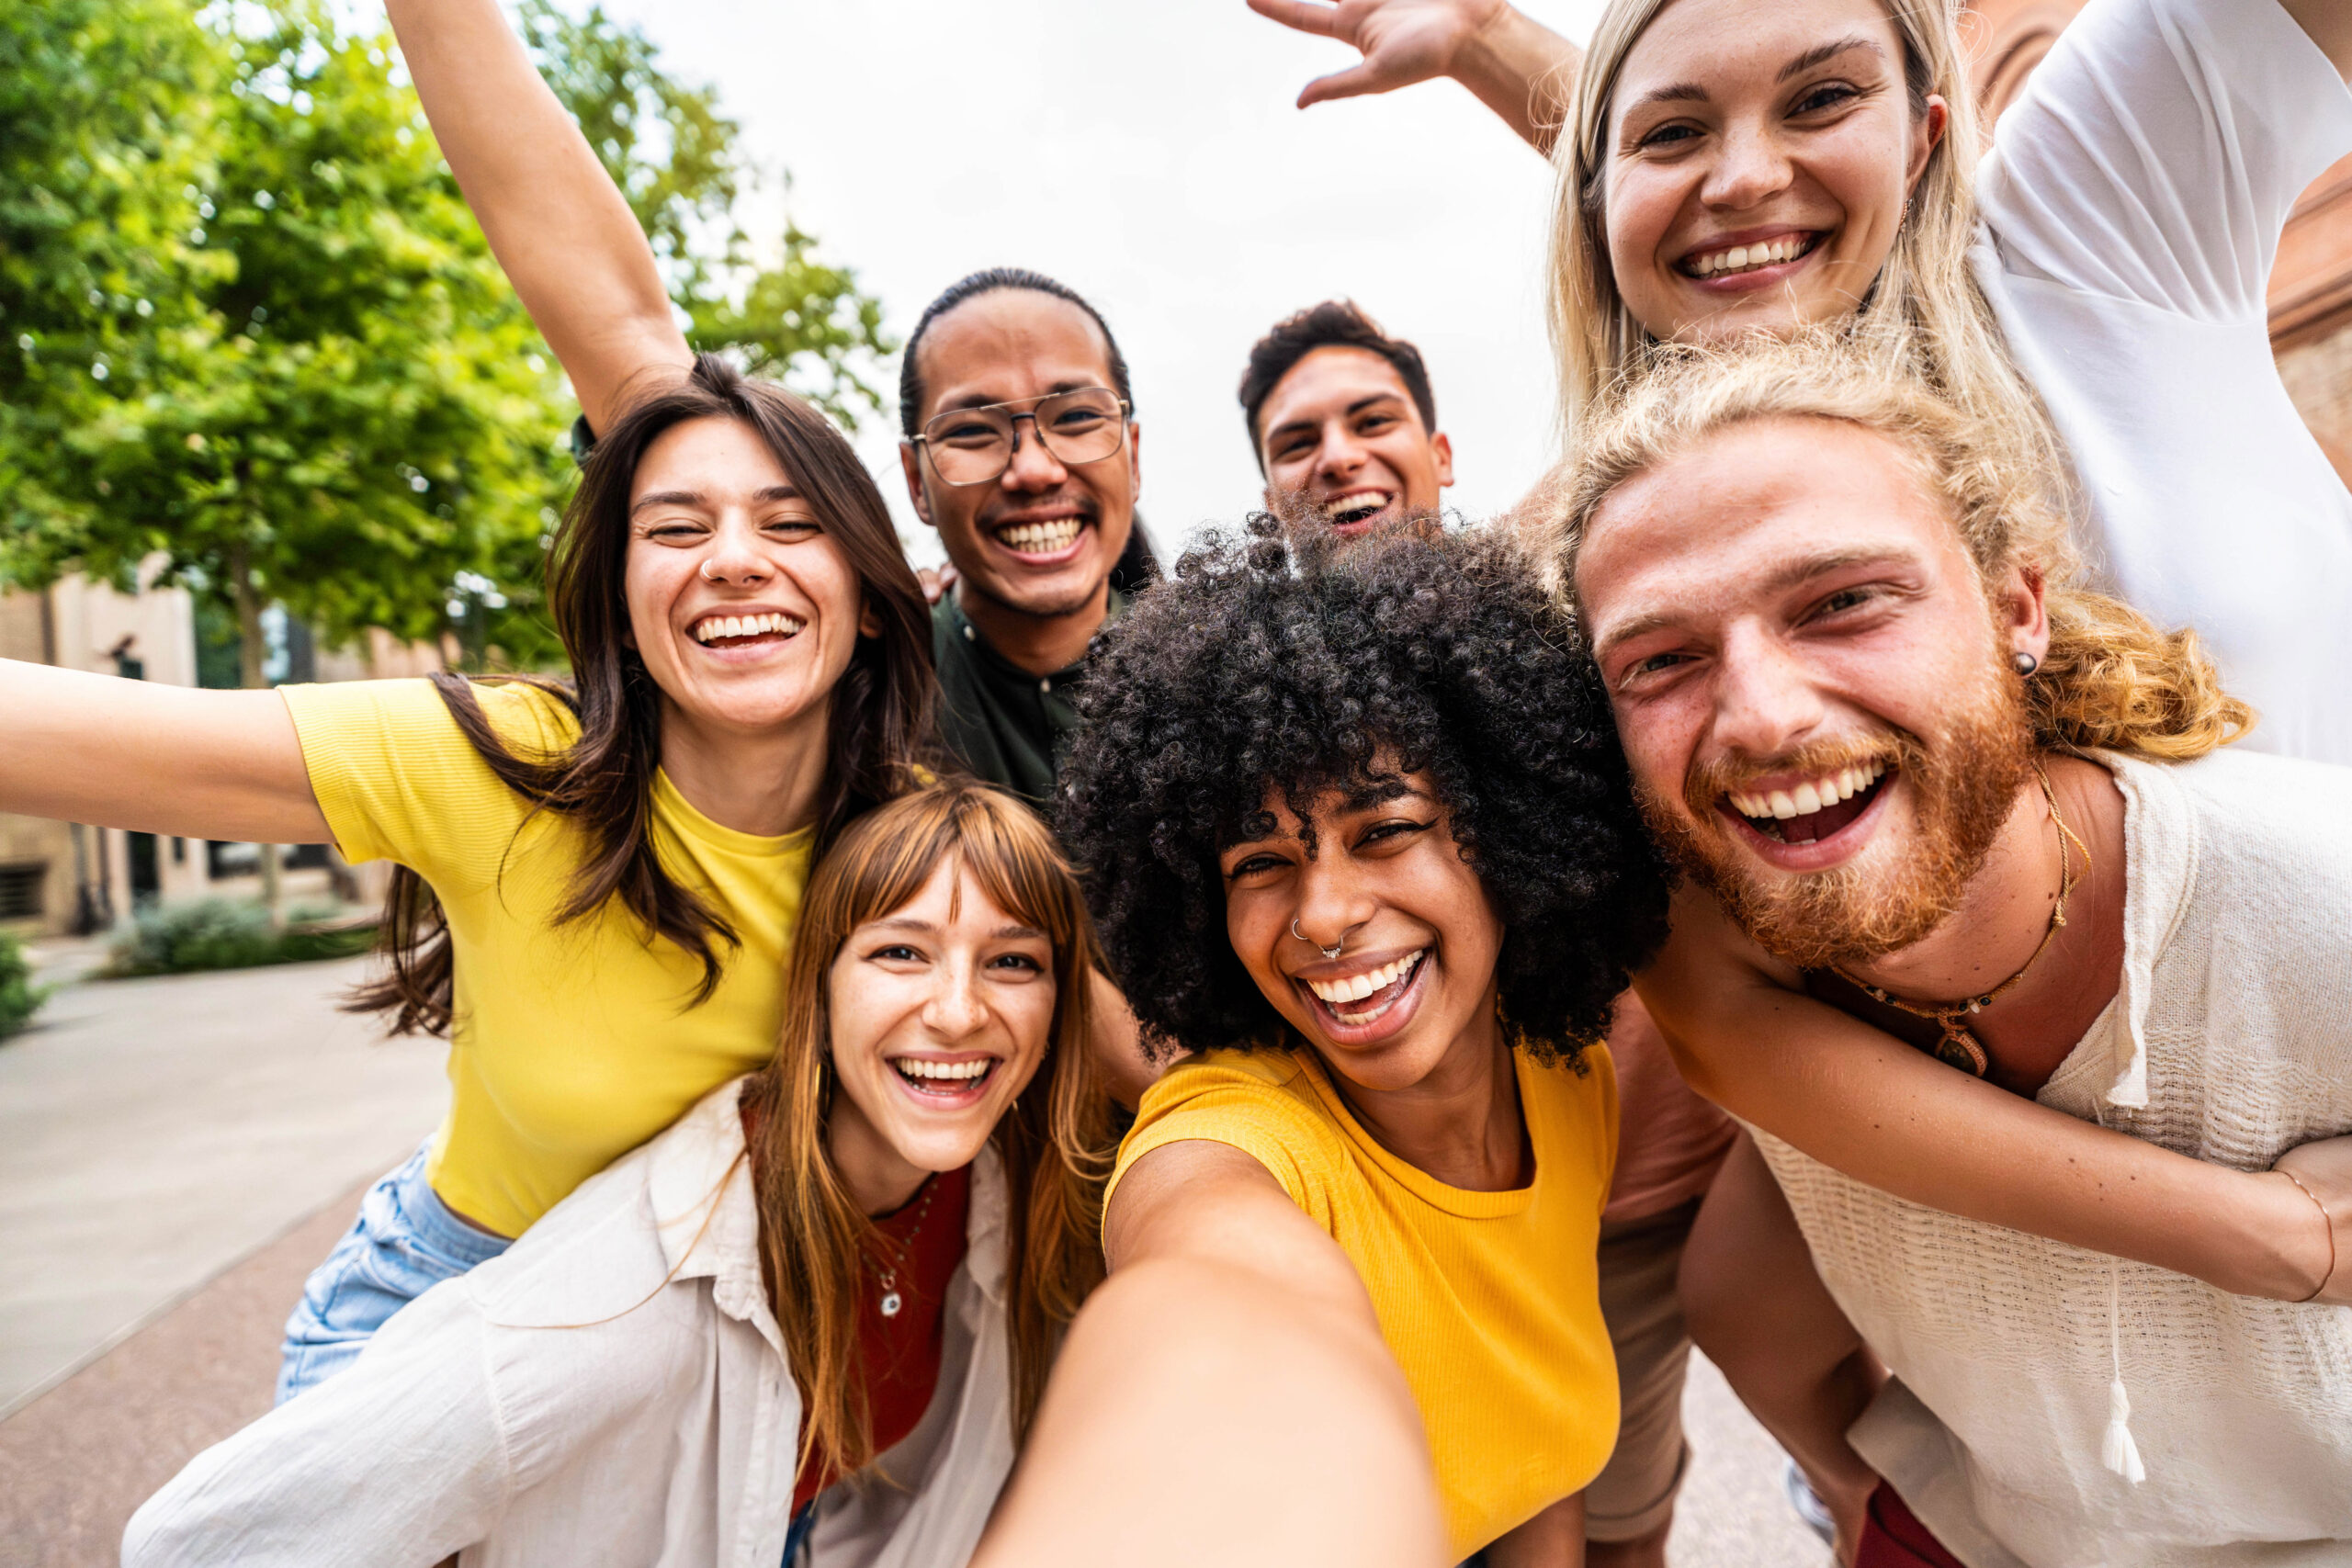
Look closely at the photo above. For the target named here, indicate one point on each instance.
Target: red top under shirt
(898, 1356)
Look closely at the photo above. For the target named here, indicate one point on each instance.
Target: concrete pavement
(154, 1132)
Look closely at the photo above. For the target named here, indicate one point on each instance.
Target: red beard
(1964, 781)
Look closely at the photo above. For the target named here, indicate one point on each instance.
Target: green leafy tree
(358, 410)
(105, 128)
(261, 349)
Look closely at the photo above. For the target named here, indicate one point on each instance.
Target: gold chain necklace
(1959, 1046)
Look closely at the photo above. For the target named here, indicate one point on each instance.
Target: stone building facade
(2311, 283)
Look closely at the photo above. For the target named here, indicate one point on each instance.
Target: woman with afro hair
(1357, 832)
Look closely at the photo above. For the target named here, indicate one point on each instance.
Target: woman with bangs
(2095, 295)
(1357, 832)
(820, 1308)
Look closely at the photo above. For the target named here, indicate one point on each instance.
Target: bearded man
(1962, 838)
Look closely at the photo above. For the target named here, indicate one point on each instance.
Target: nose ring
(704, 570)
(1331, 952)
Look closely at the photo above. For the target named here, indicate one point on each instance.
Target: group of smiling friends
(1859, 729)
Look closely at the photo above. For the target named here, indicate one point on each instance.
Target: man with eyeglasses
(1022, 450)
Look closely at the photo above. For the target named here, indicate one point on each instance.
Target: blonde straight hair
(2110, 680)
(1925, 305)
(816, 1244)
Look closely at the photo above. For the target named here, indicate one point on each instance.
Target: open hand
(1402, 42)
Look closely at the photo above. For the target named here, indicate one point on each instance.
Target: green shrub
(220, 934)
(20, 997)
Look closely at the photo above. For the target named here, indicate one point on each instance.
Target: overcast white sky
(1148, 155)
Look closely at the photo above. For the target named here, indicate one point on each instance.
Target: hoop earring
(2024, 663)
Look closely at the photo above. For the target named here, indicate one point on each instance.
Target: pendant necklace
(891, 1301)
(1959, 1046)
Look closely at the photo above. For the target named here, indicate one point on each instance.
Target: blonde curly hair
(2110, 679)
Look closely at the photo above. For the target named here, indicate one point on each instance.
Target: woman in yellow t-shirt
(1354, 816)
(598, 876)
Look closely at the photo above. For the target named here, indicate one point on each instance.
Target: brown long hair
(1054, 1143)
(879, 719)
(2110, 680)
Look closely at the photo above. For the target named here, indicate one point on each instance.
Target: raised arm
(1865, 1104)
(558, 226)
(153, 758)
(1226, 1397)
(1517, 67)
(2329, 23)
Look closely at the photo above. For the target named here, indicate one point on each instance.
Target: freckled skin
(941, 977)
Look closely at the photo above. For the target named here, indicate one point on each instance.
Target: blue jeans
(405, 1242)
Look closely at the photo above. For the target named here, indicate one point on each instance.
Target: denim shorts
(405, 1242)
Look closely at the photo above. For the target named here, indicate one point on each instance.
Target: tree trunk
(252, 648)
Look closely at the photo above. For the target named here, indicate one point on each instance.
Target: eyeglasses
(972, 447)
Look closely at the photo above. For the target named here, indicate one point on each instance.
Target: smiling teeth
(1810, 796)
(1347, 508)
(711, 628)
(1746, 258)
(950, 1071)
(1041, 538)
(1355, 987)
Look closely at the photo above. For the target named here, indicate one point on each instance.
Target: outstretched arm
(1863, 1103)
(1517, 67)
(2329, 23)
(555, 222)
(1224, 1397)
(154, 759)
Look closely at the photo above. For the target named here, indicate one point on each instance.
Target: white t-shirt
(2134, 196)
(2230, 1040)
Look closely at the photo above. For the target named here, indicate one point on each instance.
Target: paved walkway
(176, 1154)
(154, 1132)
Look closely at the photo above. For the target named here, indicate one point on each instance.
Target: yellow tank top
(1489, 1301)
(573, 1043)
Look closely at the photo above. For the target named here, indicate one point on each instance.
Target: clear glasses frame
(986, 463)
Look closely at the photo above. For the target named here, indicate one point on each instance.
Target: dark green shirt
(1008, 727)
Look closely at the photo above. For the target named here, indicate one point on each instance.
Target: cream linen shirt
(2230, 1040)
(613, 1390)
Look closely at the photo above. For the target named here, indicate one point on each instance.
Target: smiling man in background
(1021, 447)
(1343, 423)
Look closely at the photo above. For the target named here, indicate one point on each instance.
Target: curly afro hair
(1294, 663)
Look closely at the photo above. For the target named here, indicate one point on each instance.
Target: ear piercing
(2024, 663)
(1332, 952)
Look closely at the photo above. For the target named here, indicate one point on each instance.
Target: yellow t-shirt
(572, 1042)
(1489, 1301)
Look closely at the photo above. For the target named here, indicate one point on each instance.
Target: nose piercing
(1331, 952)
(704, 570)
